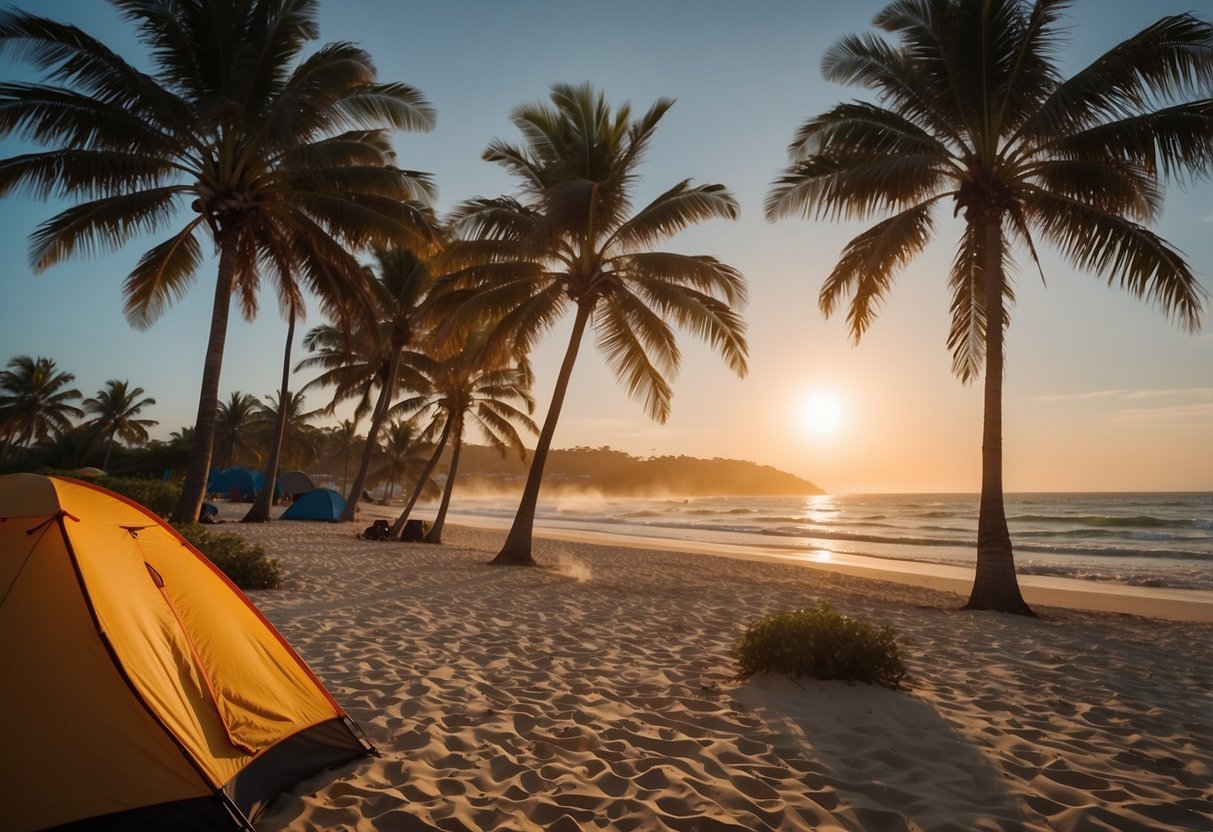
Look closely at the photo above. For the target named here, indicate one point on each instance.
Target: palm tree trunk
(995, 586)
(377, 419)
(259, 512)
(105, 463)
(435, 533)
(190, 504)
(422, 479)
(517, 548)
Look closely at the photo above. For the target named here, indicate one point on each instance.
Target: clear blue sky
(1102, 392)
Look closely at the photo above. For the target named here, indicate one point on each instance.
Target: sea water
(1149, 539)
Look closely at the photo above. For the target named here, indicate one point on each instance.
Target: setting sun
(822, 412)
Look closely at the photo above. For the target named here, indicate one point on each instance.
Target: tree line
(283, 163)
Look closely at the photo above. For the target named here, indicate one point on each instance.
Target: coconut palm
(232, 428)
(972, 110)
(403, 452)
(371, 363)
(473, 387)
(116, 408)
(259, 511)
(570, 239)
(232, 122)
(35, 403)
(285, 419)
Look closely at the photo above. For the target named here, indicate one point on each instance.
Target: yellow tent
(139, 688)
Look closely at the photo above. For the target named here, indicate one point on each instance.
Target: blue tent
(317, 504)
(240, 483)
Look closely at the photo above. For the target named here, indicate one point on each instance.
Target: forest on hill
(616, 473)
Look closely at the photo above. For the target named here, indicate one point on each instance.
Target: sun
(822, 412)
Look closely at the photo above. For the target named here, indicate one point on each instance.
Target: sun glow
(822, 413)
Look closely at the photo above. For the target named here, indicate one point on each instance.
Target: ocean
(1148, 539)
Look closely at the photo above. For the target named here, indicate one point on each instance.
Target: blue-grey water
(1148, 539)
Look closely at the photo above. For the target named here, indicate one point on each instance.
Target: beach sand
(598, 694)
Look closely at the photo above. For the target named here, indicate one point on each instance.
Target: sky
(1102, 392)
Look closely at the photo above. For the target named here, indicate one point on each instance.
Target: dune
(599, 694)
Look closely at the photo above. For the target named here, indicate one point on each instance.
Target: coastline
(1038, 590)
(598, 693)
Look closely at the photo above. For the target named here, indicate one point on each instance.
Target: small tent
(317, 504)
(238, 483)
(294, 483)
(142, 690)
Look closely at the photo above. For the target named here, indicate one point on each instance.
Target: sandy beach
(598, 694)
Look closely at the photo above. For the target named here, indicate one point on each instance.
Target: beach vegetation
(371, 360)
(973, 115)
(36, 403)
(283, 162)
(157, 496)
(823, 644)
(116, 409)
(244, 562)
(490, 391)
(569, 239)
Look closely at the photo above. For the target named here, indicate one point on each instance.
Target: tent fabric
(155, 683)
(317, 504)
(241, 482)
(294, 483)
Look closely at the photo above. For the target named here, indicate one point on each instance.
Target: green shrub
(244, 562)
(156, 496)
(822, 644)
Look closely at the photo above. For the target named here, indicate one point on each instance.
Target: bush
(157, 496)
(244, 562)
(822, 644)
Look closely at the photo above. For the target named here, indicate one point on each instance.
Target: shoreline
(1169, 603)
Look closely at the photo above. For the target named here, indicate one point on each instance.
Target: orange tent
(141, 689)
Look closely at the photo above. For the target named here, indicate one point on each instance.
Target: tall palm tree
(35, 403)
(972, 110)
(231, 122)
(232, 427)
(259, 511)
(373, 361)
(116, 408)
(571, 238)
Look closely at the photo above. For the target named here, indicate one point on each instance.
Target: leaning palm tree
(230, 122)
(35, 403)
(570, 238)
(373, 361)
(116, 409)
(259, 511)
(972, 110)
(472, 387)
(232, 427)
(285, 419)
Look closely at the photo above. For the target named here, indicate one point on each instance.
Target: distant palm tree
(34, 403)
(116, 408)
(232, 428)
(299, 445)
(230, 122)
(259, 511)
(404, 454)
(972, 110)
(341, 442)
(475, 385)
(371, 363)
(572, 238)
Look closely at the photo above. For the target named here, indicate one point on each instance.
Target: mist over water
(1148, 539)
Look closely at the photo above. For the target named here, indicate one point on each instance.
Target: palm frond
(624, 348)
(100, 224)
(678, 208)
(162, 275)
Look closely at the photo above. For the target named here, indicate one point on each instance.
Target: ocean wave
(1143, 521)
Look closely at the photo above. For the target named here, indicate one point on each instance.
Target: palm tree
(972, 110)
(570, 238)
(341, 441)
(232, 427)
(371, 363)
(34, 403)
(230, 122)
(289, 425)
(116, 408)
(259, 511)
(404, 454)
